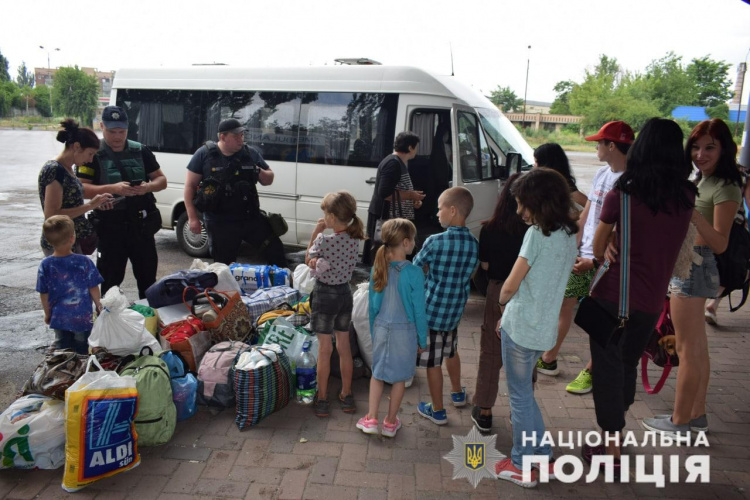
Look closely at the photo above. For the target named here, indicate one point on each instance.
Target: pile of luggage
(217, 335)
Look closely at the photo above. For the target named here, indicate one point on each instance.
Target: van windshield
(504, 134)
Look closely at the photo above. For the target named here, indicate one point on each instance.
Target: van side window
(475, 153)
(164, 120)
(271, 120)
(344, 128)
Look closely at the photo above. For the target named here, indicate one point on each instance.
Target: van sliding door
(473, 160)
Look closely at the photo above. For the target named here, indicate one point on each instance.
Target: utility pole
(49, 72)
(741, 77)
(526, 87)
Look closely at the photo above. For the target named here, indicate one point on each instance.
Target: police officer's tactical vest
(238, 176)
(131, 161)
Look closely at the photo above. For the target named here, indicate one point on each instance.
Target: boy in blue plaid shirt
(449, 259)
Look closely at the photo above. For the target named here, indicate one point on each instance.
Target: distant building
(698, 113)
(104, 78)
(538, 107)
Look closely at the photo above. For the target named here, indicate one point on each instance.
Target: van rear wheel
(195, 245)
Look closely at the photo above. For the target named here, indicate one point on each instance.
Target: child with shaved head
(448, 259)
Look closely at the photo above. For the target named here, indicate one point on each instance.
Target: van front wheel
(195, 245)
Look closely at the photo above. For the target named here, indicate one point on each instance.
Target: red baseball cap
(615, 132)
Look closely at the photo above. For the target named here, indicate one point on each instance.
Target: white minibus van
(322, 129)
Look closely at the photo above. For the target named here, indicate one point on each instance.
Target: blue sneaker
(438, 417)
(459, 398)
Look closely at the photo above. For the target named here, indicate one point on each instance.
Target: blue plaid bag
(268, 299)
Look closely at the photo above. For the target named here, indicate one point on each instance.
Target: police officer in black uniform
(221, 184)
(129, 171)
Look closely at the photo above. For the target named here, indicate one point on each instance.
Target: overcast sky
(489, 38)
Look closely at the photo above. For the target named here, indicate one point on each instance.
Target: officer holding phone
(129, 171)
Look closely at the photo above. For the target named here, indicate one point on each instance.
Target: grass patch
(30, 123)
(570, 141)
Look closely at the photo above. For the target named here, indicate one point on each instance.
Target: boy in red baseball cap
(613, 141)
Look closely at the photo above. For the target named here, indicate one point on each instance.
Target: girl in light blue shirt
(530, 303)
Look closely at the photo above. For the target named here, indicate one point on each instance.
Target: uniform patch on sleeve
(84, 170)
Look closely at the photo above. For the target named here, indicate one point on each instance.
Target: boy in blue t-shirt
(448, 258)
(67, 284)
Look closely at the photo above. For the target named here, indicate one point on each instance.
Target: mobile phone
(136, 183)
(117, 200)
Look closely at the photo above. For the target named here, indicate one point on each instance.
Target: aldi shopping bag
(100, 437)
(263, 383)
(32, 433)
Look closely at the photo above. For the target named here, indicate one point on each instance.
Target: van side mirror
(512, 164)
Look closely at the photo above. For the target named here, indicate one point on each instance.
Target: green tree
(711, 80)
(75, 94)
(4, 65)
(40, 94)
(561, 106)
(720, 111)
(10, 95)
(25, 77)
(668, 84)
(597, 86)
(506, 99)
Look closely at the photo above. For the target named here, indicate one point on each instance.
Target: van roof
(343, 78)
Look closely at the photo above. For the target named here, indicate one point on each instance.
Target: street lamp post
(742, 70)
(526, 87)
(49, 70)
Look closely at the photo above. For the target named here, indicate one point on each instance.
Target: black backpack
(734, 263)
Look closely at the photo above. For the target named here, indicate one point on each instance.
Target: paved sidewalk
(209, 458)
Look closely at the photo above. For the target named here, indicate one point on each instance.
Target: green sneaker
(582, 384)
(547, 368)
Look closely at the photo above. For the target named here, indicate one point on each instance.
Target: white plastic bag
(120, 330)
(254, 359)
(227, 282)
(361, 320)
(304, 281)
(32, 433)
(283, 333)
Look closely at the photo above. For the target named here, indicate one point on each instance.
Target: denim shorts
(703, 280)
(331, 308)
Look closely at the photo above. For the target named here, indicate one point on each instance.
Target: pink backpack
(215, 387)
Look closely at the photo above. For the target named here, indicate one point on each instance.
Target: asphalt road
(23, 334)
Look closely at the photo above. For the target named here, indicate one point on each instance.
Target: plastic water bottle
(306, 371)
